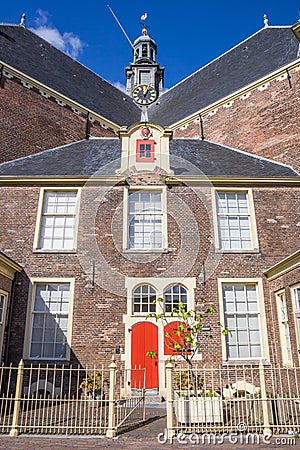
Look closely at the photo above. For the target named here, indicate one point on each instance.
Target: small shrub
(94, 384)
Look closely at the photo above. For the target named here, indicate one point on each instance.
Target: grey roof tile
(195, 157)
(260, 54)
(102, 157)
(35, 57)
(83, 158)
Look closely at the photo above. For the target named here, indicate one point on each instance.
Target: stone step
(155, 401)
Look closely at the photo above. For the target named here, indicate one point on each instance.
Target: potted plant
(203, 407)
(194, 403)
(94, 386)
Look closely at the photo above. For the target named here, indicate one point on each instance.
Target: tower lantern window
(144, 50)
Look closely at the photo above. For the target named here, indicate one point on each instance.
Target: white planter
(198, 409)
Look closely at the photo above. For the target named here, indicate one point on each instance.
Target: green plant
(208, 393)
(94, 384)
(186, 337)
(183, 381)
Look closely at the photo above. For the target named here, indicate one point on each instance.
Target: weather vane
(145, 27)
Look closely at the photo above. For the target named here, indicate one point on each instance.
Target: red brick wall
(31, 123)
(5, 283)
(265, 124)
(98, 310)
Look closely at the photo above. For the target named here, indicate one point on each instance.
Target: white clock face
(144, 95)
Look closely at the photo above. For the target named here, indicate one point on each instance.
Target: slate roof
(195, 157)
(83, 158)
(101, 156)
(35, 57)
(260, 54)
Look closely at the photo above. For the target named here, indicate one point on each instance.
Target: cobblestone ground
(144, 437)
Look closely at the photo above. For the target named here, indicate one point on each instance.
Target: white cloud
(68, 42)
(120, 86)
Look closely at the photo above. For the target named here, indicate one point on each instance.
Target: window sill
(47, 361)
(142, 251)
(41, 250)
(245, 362)
(253, 251)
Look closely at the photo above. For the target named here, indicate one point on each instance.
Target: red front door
(144, 338)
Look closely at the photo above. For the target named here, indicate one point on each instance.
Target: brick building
(110, 200)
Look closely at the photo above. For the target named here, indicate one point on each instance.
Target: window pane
(242, 320)
(144, 299)
(50, 320)
(297, 297)
(145, 220)
(173, 295)
(233, 221)
(58, 216)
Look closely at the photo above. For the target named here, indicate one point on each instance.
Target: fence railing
(69, 400)
(243, 399)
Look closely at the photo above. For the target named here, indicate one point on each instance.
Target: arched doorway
(144, 338)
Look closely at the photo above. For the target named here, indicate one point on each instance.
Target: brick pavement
(142, 438)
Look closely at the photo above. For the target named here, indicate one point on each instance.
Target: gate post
(169, 398)
(266, 421)
(15, 421)
(111, 431)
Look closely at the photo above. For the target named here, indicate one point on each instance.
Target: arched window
(144, 298)
(173, 295)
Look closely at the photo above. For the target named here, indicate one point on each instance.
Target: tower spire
(144, 76)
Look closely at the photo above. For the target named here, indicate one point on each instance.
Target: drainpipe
(87, 126)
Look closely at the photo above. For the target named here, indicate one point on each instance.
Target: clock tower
(144, 76)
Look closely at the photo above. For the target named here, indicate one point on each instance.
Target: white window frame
(38, 227)
(261, 317)
(143, 313)
(163, 191)
(296, 309)
(284, 331)
(29, 321)
(251, 215)
(160, 285)
(129, 320)
(173, 304)
(3, 294)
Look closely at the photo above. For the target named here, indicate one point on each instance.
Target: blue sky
(189, 34)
